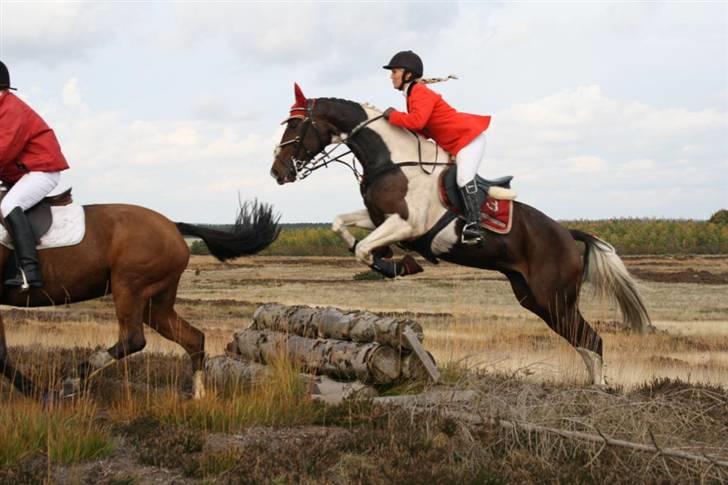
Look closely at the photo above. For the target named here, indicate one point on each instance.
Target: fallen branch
(422, 403)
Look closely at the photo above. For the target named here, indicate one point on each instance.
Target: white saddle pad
(68, 229)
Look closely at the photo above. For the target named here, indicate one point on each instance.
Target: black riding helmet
(4, 77)
(407, 60)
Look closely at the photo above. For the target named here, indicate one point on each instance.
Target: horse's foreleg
(20, 382)
(358, 218)
(392, 230)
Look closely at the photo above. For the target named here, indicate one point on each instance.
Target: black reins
(304, 167)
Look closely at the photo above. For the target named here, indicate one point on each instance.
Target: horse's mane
(365, 104)
(370, 106)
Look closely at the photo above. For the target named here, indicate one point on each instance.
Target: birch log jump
(370, 362)
(332, 323)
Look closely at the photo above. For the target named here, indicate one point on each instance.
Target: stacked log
(340, 344)
(333, 323)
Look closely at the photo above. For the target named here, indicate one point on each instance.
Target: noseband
(314, 161)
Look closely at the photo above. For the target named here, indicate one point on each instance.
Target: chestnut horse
(136, 255)
(399, 186)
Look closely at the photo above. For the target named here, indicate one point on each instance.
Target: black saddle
(40, 215)
(450, 193)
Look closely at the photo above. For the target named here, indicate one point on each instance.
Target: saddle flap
(496, 209)
(40, 215)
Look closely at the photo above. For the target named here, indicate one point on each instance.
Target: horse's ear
(300, 98)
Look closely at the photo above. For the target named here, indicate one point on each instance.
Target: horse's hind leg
(129, 311)
(20, 382)
(161, 316)
(560, 312)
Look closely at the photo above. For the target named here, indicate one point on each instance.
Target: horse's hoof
(384, 266)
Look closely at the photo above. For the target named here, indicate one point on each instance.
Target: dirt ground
(670, 386)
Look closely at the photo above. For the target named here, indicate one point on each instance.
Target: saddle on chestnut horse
(56, 221)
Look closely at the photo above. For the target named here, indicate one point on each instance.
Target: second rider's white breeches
(29, 190)
(468, 160)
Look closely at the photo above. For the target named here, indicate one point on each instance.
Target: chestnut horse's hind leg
(20, 382)
(161, 316)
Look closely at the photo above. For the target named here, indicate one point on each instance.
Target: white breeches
(29, 190)
(468, 159)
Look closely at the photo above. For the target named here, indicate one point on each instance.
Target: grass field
(474, 328)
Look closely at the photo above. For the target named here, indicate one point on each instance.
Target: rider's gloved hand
(388, 112)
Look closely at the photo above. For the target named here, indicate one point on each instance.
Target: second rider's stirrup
(471, 202)
(26, 255)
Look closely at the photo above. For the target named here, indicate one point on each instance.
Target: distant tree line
(628, 236)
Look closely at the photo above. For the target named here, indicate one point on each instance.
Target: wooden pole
(333, 323)
(371, 362)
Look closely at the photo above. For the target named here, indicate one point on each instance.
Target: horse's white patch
(445, 239)
(68, 229)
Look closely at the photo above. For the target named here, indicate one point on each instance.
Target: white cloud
(586, 164)
(582, 136)
(71, 94)
(56, 32)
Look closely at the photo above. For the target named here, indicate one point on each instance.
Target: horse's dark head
(304, 138)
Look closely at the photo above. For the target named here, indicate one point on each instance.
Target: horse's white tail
(604, 269)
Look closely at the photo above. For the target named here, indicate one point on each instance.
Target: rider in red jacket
(30, 164)
(461, 134)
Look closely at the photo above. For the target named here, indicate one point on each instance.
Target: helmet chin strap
(404, 81)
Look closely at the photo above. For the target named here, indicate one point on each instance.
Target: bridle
(312, 161)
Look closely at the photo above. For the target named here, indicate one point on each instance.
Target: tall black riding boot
(471, 202)
(26, 254)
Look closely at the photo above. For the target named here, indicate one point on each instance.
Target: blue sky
(599, 110)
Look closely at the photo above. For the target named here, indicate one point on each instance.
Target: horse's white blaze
(198, 384)
(100, 359)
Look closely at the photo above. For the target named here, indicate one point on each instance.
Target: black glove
(388, 112)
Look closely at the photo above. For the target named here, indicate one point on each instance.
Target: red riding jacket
(26, 142)
(430, 115)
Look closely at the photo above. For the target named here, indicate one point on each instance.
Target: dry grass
(469, 316)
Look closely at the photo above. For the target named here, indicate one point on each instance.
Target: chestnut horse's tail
(606, 271)
(256, 227)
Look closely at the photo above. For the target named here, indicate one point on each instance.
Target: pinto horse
(400, 189)
(138, 256)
